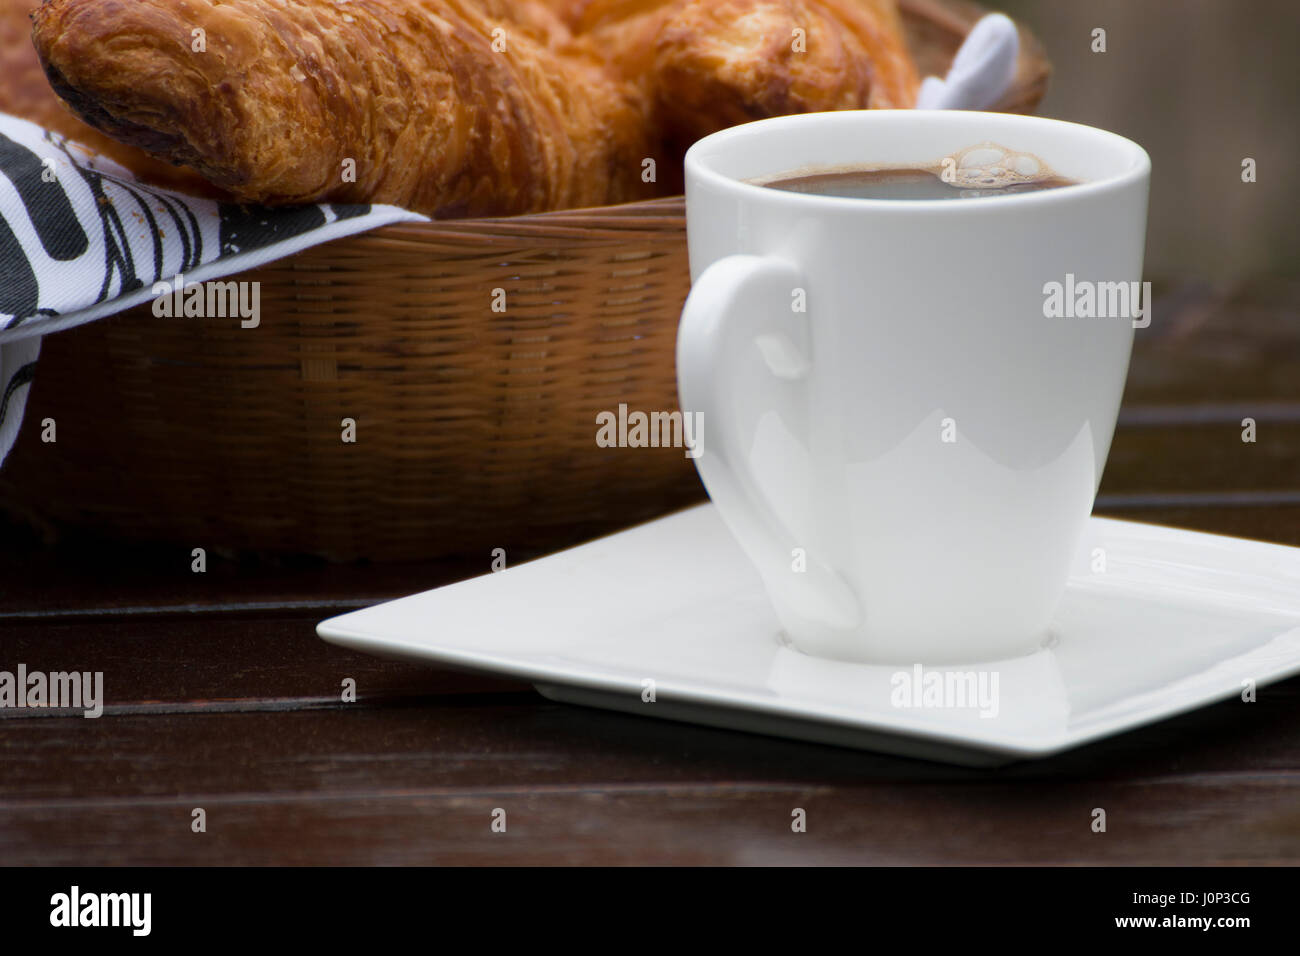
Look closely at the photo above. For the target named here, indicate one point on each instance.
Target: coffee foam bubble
(990, 166)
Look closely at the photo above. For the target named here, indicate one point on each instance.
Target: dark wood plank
(402, 784)
(81, 575)
(1219, 346)
(1263, 522)
(233, 662)
(1248, 822)
(1205, 458)
(493, 741)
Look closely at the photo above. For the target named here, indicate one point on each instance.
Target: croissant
(447, 107)
(716, 63)
(26, 93)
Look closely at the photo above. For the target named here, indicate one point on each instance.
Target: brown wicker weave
(474, 429)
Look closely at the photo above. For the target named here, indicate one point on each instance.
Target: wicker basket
(474, 429)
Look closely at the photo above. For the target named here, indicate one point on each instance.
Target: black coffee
(909, 184)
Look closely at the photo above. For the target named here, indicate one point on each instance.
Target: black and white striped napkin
(81, 239)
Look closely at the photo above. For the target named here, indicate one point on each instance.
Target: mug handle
(738, 306)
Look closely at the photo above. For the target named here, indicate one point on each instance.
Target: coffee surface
(892, 183)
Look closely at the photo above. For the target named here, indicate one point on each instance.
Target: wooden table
(220, 696)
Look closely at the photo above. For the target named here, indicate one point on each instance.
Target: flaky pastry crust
(398, 101)
(24, 92)
(710, 64)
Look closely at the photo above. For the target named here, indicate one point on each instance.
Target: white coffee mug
(906, 416)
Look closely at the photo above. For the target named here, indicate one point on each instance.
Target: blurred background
(1202, 84)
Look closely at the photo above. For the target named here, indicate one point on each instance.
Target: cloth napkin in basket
(81, 239)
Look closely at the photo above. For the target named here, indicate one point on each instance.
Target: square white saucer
(1176, 620)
